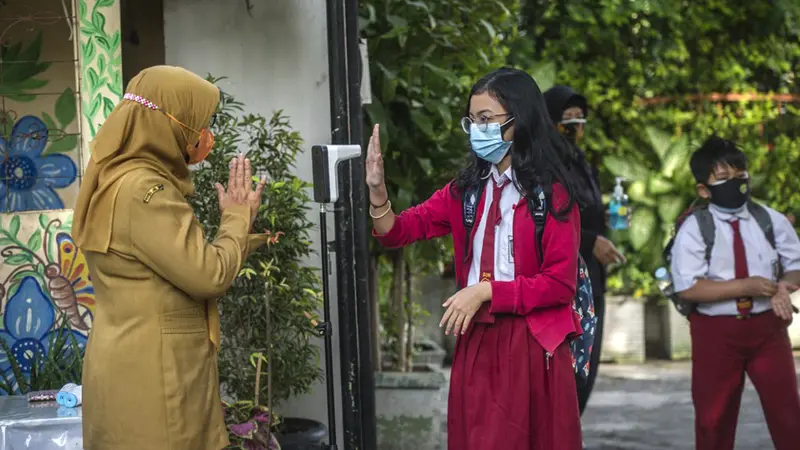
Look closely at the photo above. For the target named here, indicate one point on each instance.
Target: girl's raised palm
(374, 175)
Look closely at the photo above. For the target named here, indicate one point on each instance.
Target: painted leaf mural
(101, 61)
(22, 70)
(65, 112)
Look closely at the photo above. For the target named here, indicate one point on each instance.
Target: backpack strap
(705, 221)
(763, 220)
(538, 209)
(469, 212)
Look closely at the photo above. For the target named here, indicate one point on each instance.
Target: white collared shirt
(689, 262)
(504, 234)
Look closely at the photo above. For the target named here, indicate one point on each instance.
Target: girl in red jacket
(512, 383)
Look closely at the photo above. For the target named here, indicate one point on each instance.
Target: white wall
(276, 59)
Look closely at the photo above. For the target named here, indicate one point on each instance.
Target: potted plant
(272, 147)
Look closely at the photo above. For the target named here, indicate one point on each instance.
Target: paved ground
(649, 407)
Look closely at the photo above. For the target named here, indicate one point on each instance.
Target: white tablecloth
(38, 427)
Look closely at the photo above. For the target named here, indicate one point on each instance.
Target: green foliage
(397, 333)
(661, 193)
(272, 147)
(622, 54)
(424, 58)
(63, 364)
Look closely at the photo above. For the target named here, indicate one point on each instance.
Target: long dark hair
(539, 153)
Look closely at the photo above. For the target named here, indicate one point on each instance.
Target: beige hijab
(135, 136)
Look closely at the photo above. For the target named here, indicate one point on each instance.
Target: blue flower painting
(28, 179)
(29, 334)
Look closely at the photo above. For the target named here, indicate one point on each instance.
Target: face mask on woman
(198, 152)
(730, 195)
(488, 143)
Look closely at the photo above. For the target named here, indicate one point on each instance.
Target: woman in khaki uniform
(150, 377)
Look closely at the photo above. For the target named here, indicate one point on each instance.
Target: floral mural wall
(60, 77)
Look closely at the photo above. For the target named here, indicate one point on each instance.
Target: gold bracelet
(388, 208)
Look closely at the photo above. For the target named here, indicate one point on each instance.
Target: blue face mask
(489, 145)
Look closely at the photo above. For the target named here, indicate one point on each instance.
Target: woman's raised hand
(240, 187)
(374, 170)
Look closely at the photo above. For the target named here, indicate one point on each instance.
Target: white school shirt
(504, 234)
(689, 262)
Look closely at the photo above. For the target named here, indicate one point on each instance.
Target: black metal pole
(361, 234)
(325, 328)
(344, 214)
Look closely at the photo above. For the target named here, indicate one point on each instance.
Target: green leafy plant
(389, 279)
(272, 147)
(659, 193)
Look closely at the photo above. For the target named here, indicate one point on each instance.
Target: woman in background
(568, 111)
(150, 372)
(512, 385)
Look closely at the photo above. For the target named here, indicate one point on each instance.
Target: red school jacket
(542, 293)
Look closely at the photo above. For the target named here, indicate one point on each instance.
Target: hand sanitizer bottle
(664, 281)
(618, 208)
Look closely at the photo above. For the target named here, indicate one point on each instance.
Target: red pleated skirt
(506, 395)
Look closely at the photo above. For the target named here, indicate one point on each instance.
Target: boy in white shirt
(741, 292)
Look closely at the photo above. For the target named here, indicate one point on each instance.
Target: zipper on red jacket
(513, 226)
(547, 356)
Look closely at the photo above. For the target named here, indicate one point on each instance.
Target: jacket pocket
(184, 321)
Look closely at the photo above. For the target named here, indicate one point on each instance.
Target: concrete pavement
(649, 407)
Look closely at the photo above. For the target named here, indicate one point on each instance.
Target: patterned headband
(142, 101)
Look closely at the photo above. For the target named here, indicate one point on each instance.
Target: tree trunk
(409, 350)
(397, 309)
(374, 293)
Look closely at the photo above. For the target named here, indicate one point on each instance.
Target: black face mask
(570, 129)
(732, 194)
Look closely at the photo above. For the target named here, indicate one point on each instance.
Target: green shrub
(272, 147)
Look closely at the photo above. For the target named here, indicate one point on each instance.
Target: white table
(38, 426)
